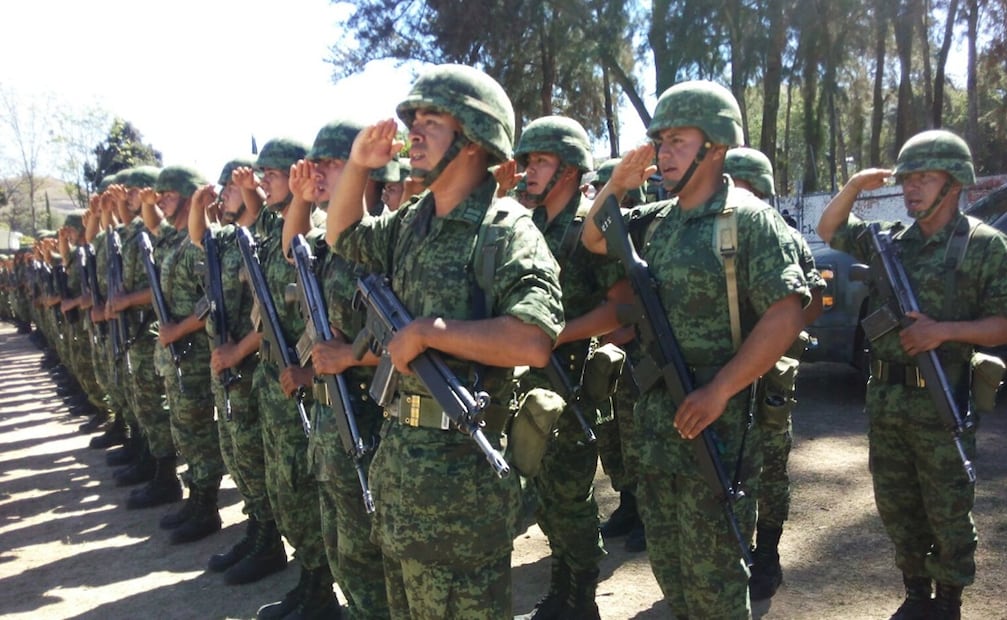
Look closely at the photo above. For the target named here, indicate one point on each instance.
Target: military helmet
(106, 181)
(752, 166)
(562, 136)
(231, 166)
(280, 153)
(474, 99)
(75, 220)
(334, 140)
(604, 171)
(937, 149)
(179, 179)
(140, 176)
(708, 106)
(389, 173)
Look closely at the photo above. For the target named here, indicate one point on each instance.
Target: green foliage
(123, 148)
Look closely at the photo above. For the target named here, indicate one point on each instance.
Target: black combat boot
(267, 556)
(142, 470)
(767, 575)
(947, 604)
(581, 603)
(100, 417)
(918, 603)
(129, 452)
(623, 519)
(203, 519)
(113, 436)
(219, 562)
(318, 601)
(164, 488)
(556, 598)
(289, 602)
(174, 519)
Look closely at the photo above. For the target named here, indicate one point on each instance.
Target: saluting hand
(634, 169)
(244, 178)
(507, 177)
(302, 181)
(376, 145)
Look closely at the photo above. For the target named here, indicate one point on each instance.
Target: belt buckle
(916, 379)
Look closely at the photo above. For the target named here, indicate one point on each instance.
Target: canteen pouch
(987, 375)
(777, 395)
(532, 428)
(602, 372)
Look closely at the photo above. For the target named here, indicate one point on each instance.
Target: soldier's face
(677, 150)
(327, 173)
(430, 135)
(231, 198)
(539, 171)
(391, 195)
(276, 184)
(169, 203)
(921, 189)
(133, 202)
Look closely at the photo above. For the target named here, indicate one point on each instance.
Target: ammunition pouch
(987, 376)
(776, 395)
(532, 428)
(602, 372)
(418, 410)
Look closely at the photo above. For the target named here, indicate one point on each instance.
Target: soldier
(555, 152)
(750, 169)
(260, 551)
(354, 559)
(695, 558)
(444, 521)
(956, 265)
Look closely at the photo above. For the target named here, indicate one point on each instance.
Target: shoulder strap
(485, 249)
(725, 243)
(954, 254)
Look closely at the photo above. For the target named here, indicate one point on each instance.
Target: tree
(24, 117)
(75, 134)
(122, 148)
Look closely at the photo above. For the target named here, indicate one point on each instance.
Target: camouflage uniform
(921, 491)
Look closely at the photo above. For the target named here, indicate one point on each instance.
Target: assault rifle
(893, 282)
(119, 323)
(571, 393)
(273, 342)
(665, 359)
(157, 297)
(63, 285)
(316, 330)
(385, 316)
(215, 297)
(91, 284)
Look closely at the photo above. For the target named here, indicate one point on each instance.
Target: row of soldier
(522, 301)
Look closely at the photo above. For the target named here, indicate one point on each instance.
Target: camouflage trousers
(354, 559)
(192, 425)
(241, 441)
(922, 493)
(445, 523)
(84, 365)
(293, 491)
(615, 448)
(695, 558)
(772, 485)
(148, 398)
(567, 511)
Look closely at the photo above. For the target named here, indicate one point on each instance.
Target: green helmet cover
(106, 181)
(389, 173)
(937, 149)
(140, 176)
(231, 166)
(334, 140)
(474, 99)
(706, 105)
(752, 166)
(75, 220)
(179, 179)
(562, 136)
(280, 153)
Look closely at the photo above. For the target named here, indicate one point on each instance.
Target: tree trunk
(611, 123)
(937, 110)
(972, 124)
(878, 101)
(904, 45)
(773, 79)
(658, 39)
(923, 16)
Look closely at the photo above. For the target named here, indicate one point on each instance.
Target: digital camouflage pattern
(693, 555)
(937, 149)
(476, 101)
(292, 489)
(444, 521)
(753, 166)
(179, 179)
(559, 135)
(140, 176)
(917, 473)
(701, 104)
(280, 153)
(334, 140)
(190, 399)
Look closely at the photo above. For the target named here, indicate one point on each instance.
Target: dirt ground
(69, 549)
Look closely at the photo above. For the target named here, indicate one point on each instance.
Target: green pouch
(776, 399)
(602, 372)
(987, 375)
(532, 428)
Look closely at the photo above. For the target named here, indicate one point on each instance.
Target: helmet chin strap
(427, 177)
(680, 185)
(229, 218)
(553, 180)
(922, 215)
(278, 207)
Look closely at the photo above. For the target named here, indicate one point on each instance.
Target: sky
(199, 78)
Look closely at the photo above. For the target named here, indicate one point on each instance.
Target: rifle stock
(215, 297)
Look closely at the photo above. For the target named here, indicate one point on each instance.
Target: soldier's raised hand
(302, 181)
(634, 169)
(244, 178)
(376, 145)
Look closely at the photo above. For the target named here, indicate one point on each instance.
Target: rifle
(666, 360)
(91, 284)
(63, 284)
(215, 296)
(120, 326)
(157, 296)
(317, 329)
(571, 393)
(893, 282)
(272, 331)
(385, 316)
